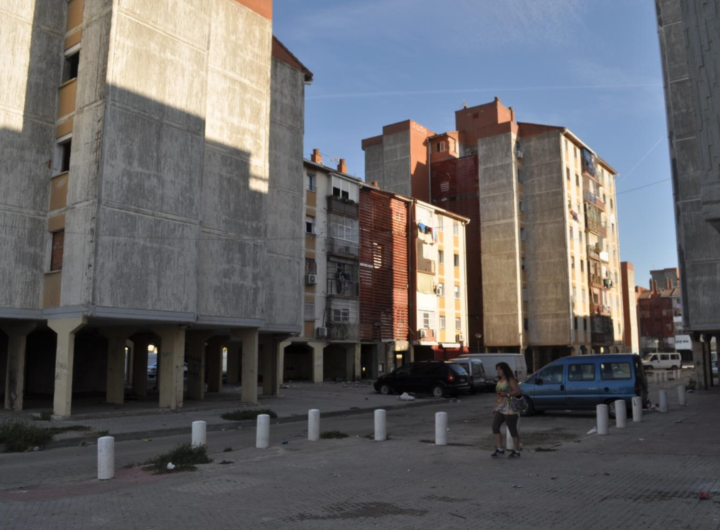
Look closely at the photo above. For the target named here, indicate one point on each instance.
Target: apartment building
(542, 243)
(413, 281)
(148, 168)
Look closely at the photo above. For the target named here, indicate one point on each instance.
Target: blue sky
(590, 65)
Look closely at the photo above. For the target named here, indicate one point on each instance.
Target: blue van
(584, 381)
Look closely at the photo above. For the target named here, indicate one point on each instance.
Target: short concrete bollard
(314, 425)
(682, 396)
(106, 458)
(637, 410)
(656, 376)
(380, 425)
(678, 373)
(262, 437)
(199, 433)
(602, 419)
(620, 414)
(662, 395)
(441, 428)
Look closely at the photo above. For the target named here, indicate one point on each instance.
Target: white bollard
(262, 438)
(314, 425)
(441, 428)
(662, 394)
(106, 458)
(602, 419)
(637, 409)
(620, 414)
(380, 425)
(678, 373)
(656, 376)
(199, 433)
(682, 396)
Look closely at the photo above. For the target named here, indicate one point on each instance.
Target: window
(664, 357)
(567, 172)
(520, 206)
(309, 225)
(309, 310)
(311, 182)
(377, 256)
(441, 256)
(442, 322)
(585, 323)
(457, 292)
(58, 245)
(310, 266)
(456, 260)
(575, 323)
(610, 371)
(522, 234)
(62, 156)
(572, 262)
(441, 289)
(456, 228)
(552, 375)
(574, 296)
(458, 324)
(426, 320)
(341, 314)
(441, 147)
(611, 204)
(525, 324)
(613, 228)
(582, 266)
(577, 153)
(571, 233)
(577, 179)
(581, 237)
(581, 372)
(71, 66)
(584, 295)
(343, 228)
(440, 222)
(343, 194)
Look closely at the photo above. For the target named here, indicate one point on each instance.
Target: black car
(434, 377)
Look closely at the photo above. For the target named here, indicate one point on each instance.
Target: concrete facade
(158, 152)
(631, 338)
(689, 52)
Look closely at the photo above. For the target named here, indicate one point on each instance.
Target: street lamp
(478, 336)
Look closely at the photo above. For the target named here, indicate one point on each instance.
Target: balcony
(342, 206)
(594, 199)
(595, 226)
(342, 287)
(602, 330)
(426, 265)
(594, 252)
(342, 247)
(345, 331)
(596, 280)
(600, 309)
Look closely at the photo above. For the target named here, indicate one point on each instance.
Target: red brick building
(658, 308)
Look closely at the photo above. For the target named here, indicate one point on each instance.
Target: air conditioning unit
(311, 279)
(422, 333)
(321, 333)
(459, 337)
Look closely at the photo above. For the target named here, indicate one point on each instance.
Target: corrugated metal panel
(455, 188)
(383, 267)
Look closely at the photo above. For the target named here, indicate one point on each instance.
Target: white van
(662, 361)
(516, 361)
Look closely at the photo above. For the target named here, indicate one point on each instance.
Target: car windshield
(648, 356)
(458, 369)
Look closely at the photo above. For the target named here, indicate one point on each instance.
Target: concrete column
(15, 374)
(249, 338)
(115, 383)
(389, 357)
(271, 385)
(281, 360)
(411, 353)
(171, 370)
(214, 362)
(698, 349)
(196, 364)
(352, 362)
(141, 341)
(317, 360)
(233, 362)
(65, 330)
(535, 359)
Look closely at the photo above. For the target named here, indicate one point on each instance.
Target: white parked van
(516, 361)
(662, 361)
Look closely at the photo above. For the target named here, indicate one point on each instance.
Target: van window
(552, 375)
(477, 369)
(664, 357)
(674, 356)
(610, 371)
(581, 372)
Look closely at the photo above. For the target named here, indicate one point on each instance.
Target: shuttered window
(58, 244)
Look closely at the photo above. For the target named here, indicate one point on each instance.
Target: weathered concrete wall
(375, 165)
(31, 40)
(546, 211)
(284, 229)
(500, 240)
(396, 163)
(698, 241)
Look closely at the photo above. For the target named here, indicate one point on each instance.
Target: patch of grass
(371, 436)
(18, 436)
(184, 457)
(332, 435)
(240, 415)
(45, 415)
(227, 450)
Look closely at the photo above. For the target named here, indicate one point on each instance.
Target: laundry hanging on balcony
(588, 161)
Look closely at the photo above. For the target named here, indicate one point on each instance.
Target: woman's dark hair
(505, 369)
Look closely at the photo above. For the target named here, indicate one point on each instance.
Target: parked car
(582, 382)
(479, 380)
(516, 361)
(662, 361)
(714, 363)
(435, 377)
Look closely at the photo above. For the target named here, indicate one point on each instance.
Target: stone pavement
(647, 476)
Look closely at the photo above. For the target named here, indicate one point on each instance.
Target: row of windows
(441, 290)
(456, 258)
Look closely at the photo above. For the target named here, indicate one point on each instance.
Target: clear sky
(590, 65)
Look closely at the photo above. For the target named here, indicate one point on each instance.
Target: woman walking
(506, 388)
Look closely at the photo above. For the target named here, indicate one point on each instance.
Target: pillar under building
(171, 370)
(196, 344)
(317, 353)
(249, 338)
(15, 375)
(65, 329)
(115, 381)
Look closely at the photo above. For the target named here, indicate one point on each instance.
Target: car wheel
(611, 408)
(530, 409)
(438, 391)
(386, 390)
(673, 367)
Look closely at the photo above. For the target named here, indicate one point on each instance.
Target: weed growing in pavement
(226, 462)
(371, 436)
(332, 435)
(240, 415)
(184, 457)
(18, 436)
(45, 415)
(227, 450)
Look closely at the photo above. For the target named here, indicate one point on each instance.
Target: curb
(230, 425)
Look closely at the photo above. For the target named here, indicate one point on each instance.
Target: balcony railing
(342, 287)
(597, 227)
(594, 199)
(426, 335)
(596, 280)
(426, 265)
(600, 309)
(349, 331)
(342, 247)
(593, 252)
(602, 330)
(344, 206)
